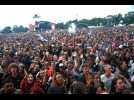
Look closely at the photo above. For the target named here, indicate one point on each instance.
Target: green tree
(129, 18)
(7, 30)
(20, 28)
(60, 26)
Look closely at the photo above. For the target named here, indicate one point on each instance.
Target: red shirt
(50, 71)
(25, 87)
(34, 88)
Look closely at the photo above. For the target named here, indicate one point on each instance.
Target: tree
(7, 30)
(60, 26)
(83, 23)
(67, 24)
(15, 29)
(116, 19)
(129, 18)
(20, 28)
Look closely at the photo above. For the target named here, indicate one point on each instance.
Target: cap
(61, 64)
(120, 46)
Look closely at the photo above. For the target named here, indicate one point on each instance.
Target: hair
(13, 65)
(54, 78)
(6, 88)
(102, 85)
(86, 65)
(114, 82)
(78, 88)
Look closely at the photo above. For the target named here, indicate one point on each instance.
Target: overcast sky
(22, 14)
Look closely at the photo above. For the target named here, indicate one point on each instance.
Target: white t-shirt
(107, 80)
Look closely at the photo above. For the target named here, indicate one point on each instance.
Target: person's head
(4, 63)
(40, 75)
(30, 78)
(123, 65)
(21, 67)
(90, 59)
(13, 69)
(8, 88)
(100, 89)
(108, 70)
(70, 65)
(96, 78)
(55, 58)
(120, 84)
(85, 69)
(59, 81)
(78, 88)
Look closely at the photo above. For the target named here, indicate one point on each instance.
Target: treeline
(15, 29)
(108, 21)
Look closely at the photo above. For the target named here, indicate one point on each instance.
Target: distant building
(42, 26)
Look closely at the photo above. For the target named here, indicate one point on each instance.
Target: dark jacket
(56, 90)
(15, 81)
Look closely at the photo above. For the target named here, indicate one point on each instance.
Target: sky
(23, 14)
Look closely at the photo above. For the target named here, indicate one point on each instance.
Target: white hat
(74, 54)
(61, 64)
(120, 46)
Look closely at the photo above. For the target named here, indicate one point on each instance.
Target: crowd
(91, 61)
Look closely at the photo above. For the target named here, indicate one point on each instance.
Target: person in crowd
(78, 87)
(107, 77)
(57, 86)
(8, 89)
(26, 84)
(13, 75)
(119, 86)
(90, 84)
(101, 89)
(38, 85)
(123, 67)
(87, 62)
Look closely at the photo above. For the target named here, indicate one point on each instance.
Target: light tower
(36, 18)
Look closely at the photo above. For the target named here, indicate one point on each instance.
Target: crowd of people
(89, 61)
